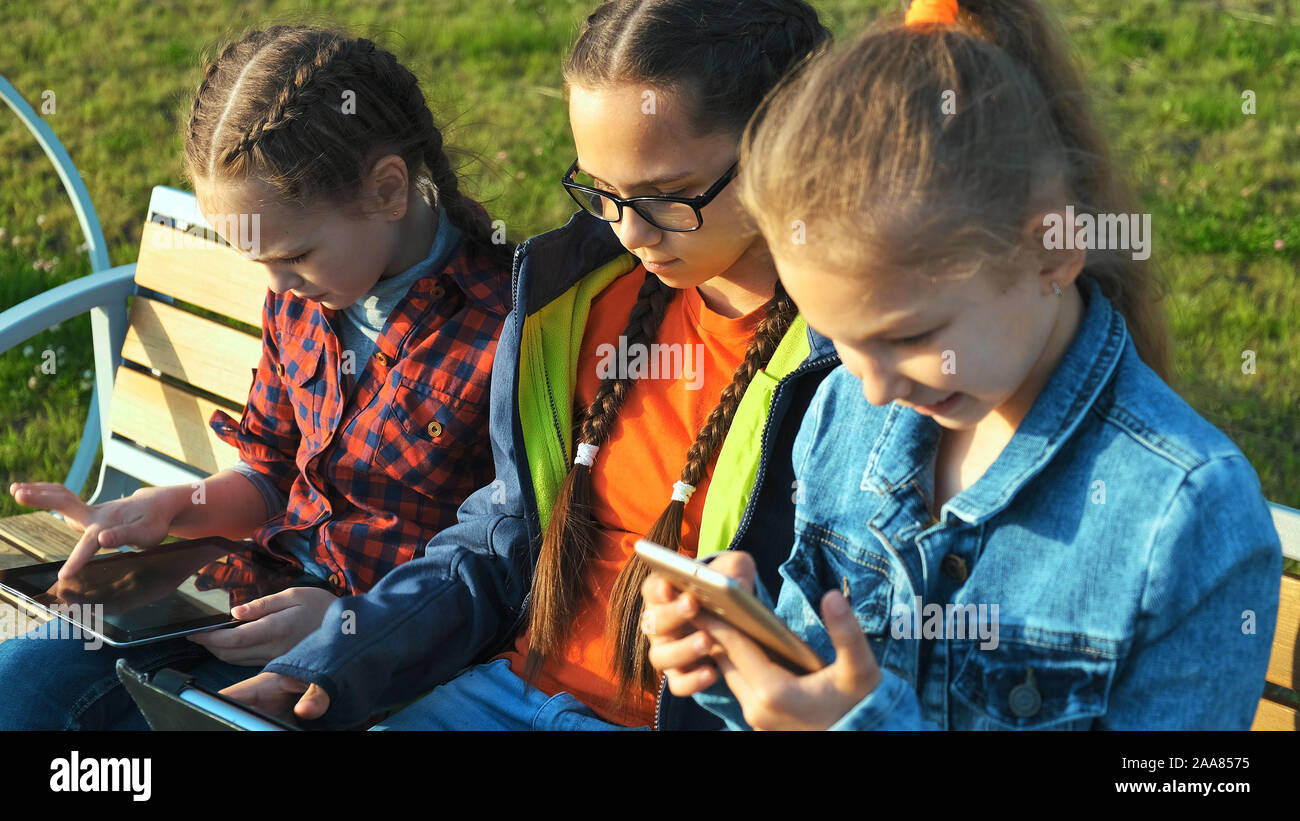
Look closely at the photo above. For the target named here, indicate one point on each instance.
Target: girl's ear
(1047, 241)
(387, 186)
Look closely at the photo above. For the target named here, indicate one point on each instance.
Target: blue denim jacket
(1123, 539)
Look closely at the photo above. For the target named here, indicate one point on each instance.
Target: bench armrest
(1287, 522)
(107, 290)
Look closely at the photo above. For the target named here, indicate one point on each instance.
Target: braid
(780, 313)
(293, 96)
(642, 325)
(208, 75)
(463, 212)
(622, 627)
(570, 534)
(280, 92)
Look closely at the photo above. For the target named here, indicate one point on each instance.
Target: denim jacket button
(1025, 700)
(954, 567)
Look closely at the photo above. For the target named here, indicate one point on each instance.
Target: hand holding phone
(695, 647)
(725, 598)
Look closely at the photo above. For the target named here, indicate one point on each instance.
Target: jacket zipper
(749, 505)
(555, 420)
(555, 417)
(659, 700)
(748, 515)
(520, 316)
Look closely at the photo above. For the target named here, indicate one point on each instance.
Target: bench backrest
(1275, 713)
(178, 365)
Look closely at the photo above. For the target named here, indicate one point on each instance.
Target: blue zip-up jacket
(465, 597)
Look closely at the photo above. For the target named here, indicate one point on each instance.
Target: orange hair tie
(931, 11)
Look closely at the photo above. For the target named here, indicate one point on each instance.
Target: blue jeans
(51, 683)
(491, 697)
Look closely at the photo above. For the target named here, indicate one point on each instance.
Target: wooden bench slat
(1274, 716)
(201, 272)
(11, 556)
(36, 537)
(16, 617)
(169, 420)
(1282, 669)
(193, 349)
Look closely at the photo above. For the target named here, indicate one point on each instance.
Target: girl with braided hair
(524, 615)
(366, 423)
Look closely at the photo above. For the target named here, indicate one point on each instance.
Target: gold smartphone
(723, 596)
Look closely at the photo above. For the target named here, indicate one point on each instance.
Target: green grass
(1222, 186)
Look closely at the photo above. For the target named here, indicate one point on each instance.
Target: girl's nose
(281, 282)
(634, 232)
(880, 383)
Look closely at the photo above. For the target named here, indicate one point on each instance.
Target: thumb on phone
(855, 666)
(737, 564)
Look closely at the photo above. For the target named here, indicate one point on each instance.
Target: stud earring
(1056, 289)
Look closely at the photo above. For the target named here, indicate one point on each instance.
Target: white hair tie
(586, 454)
(682, 492)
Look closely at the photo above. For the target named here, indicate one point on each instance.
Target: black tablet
(145, 596)
(172, 700)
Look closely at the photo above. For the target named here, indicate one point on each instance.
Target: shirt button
(279, 368)
(954, 567)
(381, 358)
(336, 579)
(435, 429)
(1025, 700)
(438, 292)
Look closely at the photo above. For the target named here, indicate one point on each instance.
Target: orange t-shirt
(633, 475)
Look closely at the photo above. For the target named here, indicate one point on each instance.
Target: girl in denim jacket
(1021, 525)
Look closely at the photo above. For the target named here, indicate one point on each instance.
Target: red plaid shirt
(379, 475)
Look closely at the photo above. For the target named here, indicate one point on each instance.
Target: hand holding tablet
(173, 590)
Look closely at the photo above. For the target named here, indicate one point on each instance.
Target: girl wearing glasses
(599, 434)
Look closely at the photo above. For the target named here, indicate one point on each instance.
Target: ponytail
(1023, 30)
(935, 189)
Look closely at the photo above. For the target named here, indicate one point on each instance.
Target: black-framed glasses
(665, 213)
